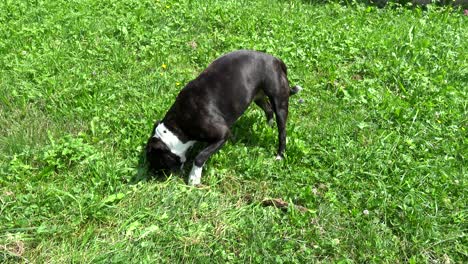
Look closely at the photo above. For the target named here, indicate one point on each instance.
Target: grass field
(377, 141)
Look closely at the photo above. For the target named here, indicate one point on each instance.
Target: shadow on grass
(143, 172)
(243, 132)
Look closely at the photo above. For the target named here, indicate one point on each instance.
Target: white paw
(195, 176)
(194, 181)
(278, 157)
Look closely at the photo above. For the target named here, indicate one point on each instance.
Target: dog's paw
(195, 176)
(194, 181)
(279, 157)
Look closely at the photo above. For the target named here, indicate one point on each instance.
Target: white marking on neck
(176, 146)
(195, 175)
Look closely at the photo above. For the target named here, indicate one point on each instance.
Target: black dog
(208, 106)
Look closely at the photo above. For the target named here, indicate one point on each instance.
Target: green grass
(376, 151)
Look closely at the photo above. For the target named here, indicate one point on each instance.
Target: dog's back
(230, 83)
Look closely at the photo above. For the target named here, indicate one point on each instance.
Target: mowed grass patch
(376, 140)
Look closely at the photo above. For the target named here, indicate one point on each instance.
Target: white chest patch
(176, 146)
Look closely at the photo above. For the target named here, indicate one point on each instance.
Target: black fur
(207, 107)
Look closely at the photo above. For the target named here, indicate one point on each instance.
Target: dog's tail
(294, 90)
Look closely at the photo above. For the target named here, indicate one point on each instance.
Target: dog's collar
(176, 146)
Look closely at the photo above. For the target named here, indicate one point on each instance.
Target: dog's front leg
(200, 159)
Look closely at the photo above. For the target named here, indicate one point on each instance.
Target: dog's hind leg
(264, 104)
(280, 107)
(278, 91)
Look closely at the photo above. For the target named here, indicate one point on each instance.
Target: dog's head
(160, 157)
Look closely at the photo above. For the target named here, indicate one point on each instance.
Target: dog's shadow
(143, 173)
(242, 132)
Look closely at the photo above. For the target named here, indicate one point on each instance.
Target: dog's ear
(156, 145)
